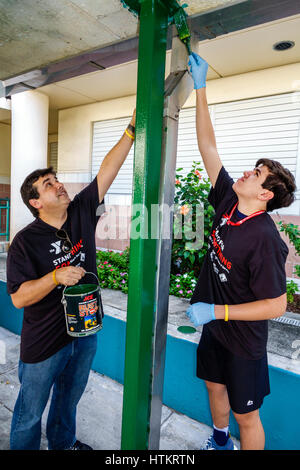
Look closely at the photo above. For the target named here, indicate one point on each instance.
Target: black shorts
(246, 380)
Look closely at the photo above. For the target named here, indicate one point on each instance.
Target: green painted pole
(141, 308)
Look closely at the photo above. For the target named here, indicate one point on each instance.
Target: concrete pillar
(29, 145)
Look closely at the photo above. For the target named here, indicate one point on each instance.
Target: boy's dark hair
(281, 182)
(28, 191)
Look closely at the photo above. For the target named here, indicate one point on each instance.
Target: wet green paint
(132, 5)
(182, 28)
(171, 6)
(186, 329)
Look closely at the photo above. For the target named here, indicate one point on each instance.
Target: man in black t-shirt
(54, 251)
(241, 285)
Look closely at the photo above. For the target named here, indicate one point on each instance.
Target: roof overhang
(227, 16)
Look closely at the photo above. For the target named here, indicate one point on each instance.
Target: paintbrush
(183, 29)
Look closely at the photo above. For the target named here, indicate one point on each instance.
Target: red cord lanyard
(240, 222)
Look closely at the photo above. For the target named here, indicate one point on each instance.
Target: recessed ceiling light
(283, 45)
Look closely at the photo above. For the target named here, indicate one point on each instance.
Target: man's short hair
(28, 191)
(281, 182)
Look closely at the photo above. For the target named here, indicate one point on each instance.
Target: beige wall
(75, 124)
(5, 149)
(75, 131)
(273, 81)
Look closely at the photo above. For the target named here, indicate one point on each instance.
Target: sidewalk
(100, 409)
(99, 417)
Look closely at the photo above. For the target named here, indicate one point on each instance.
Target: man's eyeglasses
(67, 245)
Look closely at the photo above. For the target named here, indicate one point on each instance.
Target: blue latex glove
(198, 68)
(201, 313)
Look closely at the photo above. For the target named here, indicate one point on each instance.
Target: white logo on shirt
(250, 402)
(222, 277)
(223, 221)
(56, 246)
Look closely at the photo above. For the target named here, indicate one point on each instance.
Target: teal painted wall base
(10, 317)
(183, 391)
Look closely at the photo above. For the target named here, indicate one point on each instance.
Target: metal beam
(150, 257)
(178, 87)
(143, 248)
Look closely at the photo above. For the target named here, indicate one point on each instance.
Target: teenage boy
(242, 283)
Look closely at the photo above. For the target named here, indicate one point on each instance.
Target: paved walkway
(100, 409)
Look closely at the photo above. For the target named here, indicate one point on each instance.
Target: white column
(29, 144)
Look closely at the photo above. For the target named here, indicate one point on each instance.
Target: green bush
(182, 285)
(120, 260)
(191, 190)
(293, 233)
(291, 290)
(112, 269)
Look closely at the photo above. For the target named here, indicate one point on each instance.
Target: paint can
(83, 308)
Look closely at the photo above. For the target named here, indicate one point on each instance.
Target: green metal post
(143, 249)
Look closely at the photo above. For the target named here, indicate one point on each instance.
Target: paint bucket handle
(87, 272)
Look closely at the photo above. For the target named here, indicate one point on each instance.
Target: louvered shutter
(245, 131)
(258, 128)
(105, 135)
(53, 147)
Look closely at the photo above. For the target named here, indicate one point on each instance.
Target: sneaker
(80, 446)
(210, 444)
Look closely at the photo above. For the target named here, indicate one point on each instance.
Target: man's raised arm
(205, 132)
(115, 159)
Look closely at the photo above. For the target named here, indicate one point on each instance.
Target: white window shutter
(246, 130)
(105, 135)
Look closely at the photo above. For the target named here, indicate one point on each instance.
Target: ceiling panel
(36, 33)
(98, 8)
(61, 97)
(251, 50)
(204, 6)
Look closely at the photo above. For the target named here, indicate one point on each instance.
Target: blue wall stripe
(10, 317)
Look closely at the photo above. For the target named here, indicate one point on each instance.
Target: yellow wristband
(226, 313)
(54, 277)
(129, 135)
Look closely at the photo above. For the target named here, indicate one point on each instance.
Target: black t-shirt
(36, 251)
(243, 263)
